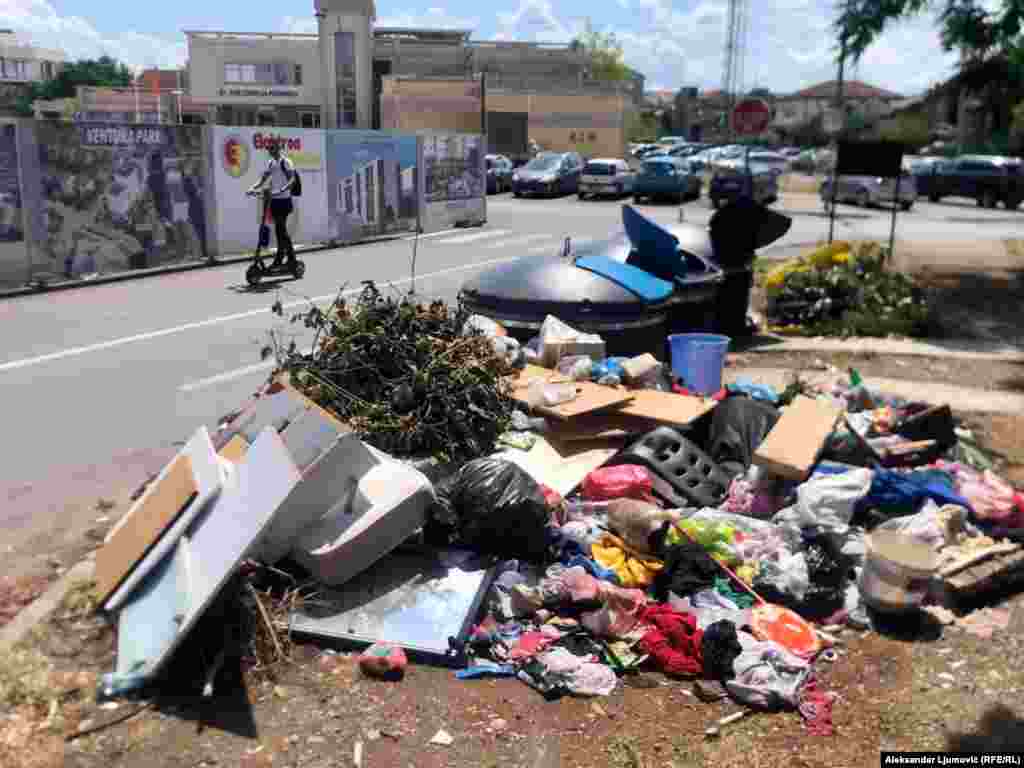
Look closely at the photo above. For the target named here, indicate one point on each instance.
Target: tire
(906, 206)
(516, 193)
(863, 198)
(933, 198)
(580, 195)
(299, 269)
(637, 199)
(252, 275)
(988, 199)
(1012, 205)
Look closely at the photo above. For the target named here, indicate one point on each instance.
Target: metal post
(895, 205)
(483, 109)
(842, 131)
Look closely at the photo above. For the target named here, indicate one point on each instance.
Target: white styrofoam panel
(308, 437)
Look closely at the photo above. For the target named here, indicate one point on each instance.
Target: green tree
(641, 126)
(910, 129)
(604, 53)
(104, 72)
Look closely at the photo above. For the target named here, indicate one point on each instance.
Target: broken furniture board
(328, 482)
(590, 397)
(560, 466)
(149, 517)
(389, 504)
(995, 570)
(235, 449)
(424, 602)
(208, 476)
(792, 448)
(308, 437)
(172, 598)
(277, 411)
(668, 408)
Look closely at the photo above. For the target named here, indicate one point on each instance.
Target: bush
(839, 291)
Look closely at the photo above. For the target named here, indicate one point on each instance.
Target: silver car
(868, 191)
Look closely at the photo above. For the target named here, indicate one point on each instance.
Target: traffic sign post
(749, 118)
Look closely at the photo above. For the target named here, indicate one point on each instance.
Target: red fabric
(626, 481)
(529, 645)
(815, 707)
(720, 395)
(675, 641)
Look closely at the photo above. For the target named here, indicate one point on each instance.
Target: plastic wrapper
(576, 367)
(383, 660)
(625, 481)
(494, 507)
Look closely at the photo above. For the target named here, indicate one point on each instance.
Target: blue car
(666, 177)
(732, 181)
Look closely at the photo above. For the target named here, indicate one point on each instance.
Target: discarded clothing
(815, 707)
(485, 668)
(585, 532)
(675, 641)
(581, 676)
(632, 568)
(620, 613)
(738, 426)
(761, 392)
(595, 570)
(898, 494)
(725, 587)
(640, 524)
(767, 676)
(529, 645)
(688, 569)
(720, 647)
(992, 500)
(828, 501)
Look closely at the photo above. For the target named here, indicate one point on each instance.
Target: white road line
(521, 240)
(474, 237)
(111, 344)
(220, 378)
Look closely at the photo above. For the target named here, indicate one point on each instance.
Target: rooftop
(852, 89)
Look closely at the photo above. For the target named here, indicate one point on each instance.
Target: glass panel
(344, 54)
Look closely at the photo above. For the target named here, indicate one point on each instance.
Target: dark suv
(988, 180)
(550, 173)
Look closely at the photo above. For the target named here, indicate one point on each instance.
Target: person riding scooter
(281, 174)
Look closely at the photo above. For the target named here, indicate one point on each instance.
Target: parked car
(732, 181)
(549, 174)
(666, 177)
(987, 179)
(868, 191)
(773, 160)
(685, 150)
(499, 174)
(606, 176)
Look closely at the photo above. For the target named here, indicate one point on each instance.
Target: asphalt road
(101, 382)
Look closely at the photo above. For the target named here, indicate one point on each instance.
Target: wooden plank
(798, 437)
(157, 509)
(235, 449)
(977, 557)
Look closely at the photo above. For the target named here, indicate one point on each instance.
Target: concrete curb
(953, 349)
(39, 610)
(175, 268)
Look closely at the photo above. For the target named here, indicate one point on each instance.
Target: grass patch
(80, 599)
(25, 678)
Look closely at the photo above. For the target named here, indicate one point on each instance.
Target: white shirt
(277, 177)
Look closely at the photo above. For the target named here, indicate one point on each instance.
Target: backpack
(296, 181)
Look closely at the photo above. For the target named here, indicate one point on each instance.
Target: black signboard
(870, 158)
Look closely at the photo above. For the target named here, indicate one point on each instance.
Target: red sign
(751, 116)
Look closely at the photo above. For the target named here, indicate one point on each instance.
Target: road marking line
(112, 343)
(516, 241)
(474, 237)
(227, 376)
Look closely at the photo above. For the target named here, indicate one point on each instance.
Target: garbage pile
(628, 516)
(844, 290)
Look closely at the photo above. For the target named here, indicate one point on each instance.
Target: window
(277, 73)
(310, 119)
(14, 69)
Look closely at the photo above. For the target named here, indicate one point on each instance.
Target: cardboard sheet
(794, 444)
(235, 449)
(608, 425)
(590, 397)
(145, 523)
(561, 466)
(666, 408)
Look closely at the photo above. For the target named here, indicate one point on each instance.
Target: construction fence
(82, 200)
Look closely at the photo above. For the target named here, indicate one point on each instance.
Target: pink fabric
(815, 707)
(991, 498)
(620, 614)
(529, 645)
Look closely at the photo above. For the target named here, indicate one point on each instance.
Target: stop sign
(751, 116)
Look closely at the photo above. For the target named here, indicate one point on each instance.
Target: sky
(675, 43)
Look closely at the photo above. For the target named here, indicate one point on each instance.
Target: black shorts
(281, 206)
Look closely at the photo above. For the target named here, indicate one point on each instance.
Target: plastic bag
(828, 501)
(626, 481)
(738, 426)
(493, 506)
(383, 660)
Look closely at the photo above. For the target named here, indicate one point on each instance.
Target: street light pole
(842, 129)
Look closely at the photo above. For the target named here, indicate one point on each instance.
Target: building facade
(21, 65)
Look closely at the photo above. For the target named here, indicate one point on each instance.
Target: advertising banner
(454, 188)
(372, 184)
(240, 157)
(114, 197)
(14, 269)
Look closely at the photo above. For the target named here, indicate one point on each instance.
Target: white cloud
(38, 22)
(536, 21)
(433, 18)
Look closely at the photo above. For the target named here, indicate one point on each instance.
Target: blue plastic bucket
(698, 359)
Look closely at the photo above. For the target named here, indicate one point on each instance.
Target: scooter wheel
(299, 269)
(252, 275)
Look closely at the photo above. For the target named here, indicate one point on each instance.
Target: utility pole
(839, 106)
(483, 109)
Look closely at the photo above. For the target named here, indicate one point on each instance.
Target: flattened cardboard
(666, 408)
(146, 522)
(561, 466)
(235, 450)
(609, 425)
(798, 437)
(589, 399)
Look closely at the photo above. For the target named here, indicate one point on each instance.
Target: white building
(21, 65)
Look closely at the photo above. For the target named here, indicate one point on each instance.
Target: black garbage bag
(738, 426)
(829, 571)
(494, 507)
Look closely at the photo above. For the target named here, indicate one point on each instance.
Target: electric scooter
(258, 270)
